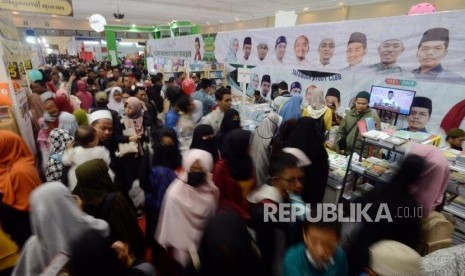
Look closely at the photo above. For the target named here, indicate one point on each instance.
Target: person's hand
(72, 78)
(134, 138)
(122, 252)
(329, 144)
(78, 201)
(70, 145)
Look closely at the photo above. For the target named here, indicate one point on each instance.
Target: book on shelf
(370, 123)
(375, 135)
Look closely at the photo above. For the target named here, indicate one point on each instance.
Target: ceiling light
(14, 12)
(208, 23)
(306, 9)
(340, 4)
(133, 25)
(221, 21)
(237, 18)
(54, 15)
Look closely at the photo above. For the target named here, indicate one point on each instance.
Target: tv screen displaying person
(432, 49)
(420, 114)
(301, 48)
(389, 51)
(356, 50)
(389, 101)
(326, 51)
(266, 85)
(280, 49)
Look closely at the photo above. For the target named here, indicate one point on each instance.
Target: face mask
(235, 124)
(49, 118)
(196, 178)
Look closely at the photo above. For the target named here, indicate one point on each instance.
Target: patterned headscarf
(59, 139)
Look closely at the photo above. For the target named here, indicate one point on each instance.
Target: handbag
(342, 143)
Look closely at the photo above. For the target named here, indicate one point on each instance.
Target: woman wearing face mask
(190, 201)
(204, 139)
(231, 121)
(166, 160)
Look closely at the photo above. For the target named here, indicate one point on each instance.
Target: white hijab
(56, 221)
(114, 105)
(187, 209)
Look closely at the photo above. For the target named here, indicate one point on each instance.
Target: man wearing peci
(431, 51)
(389, 51)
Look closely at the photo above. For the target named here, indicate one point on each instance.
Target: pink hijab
(428, 190)
(135, 119)
(187, 209)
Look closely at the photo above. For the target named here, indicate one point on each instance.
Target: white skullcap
(302, 159)
(389, 257)
(100, 114)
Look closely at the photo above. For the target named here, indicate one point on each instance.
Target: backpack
(436, 233)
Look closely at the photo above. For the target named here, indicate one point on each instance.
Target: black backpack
(320, 128)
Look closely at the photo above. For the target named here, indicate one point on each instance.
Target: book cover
(370, 123)
(362, 126)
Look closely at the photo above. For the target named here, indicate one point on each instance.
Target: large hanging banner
(422, 53)
(171, 54)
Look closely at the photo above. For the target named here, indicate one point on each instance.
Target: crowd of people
(118, 149)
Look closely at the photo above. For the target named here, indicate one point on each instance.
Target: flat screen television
(391, 99)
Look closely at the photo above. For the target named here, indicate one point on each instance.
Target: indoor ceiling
(206, 12)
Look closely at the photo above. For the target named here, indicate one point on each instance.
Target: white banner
(423, 53)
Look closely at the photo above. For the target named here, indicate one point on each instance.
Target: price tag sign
(14, 71)
(243, 75)
(28, 64)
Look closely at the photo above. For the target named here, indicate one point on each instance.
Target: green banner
(209, 47)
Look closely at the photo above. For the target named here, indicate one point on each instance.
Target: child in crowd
(87, 149)
(59, 138)
(319, 254)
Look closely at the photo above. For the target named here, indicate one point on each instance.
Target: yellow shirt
(327, 119)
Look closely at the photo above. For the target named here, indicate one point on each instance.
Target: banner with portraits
(422, 53)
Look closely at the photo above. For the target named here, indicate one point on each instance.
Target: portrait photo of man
(262, 51)
(326, 52)
(266, 85)
(355, 52)
(389, 52)
(247, 49)
(296, 88)
(420, 114)
(301, 48)
(432, 49)
(280, 49)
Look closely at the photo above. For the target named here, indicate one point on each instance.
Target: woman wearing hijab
(305, 137)
(18, 177)
(231, 121)
(57, 115)
(292, 108)
(318, 110)
(234, 173)
(71, 100)
(115, 100)
(101, 199)
(81, 117)
(428, 189)
(284, 131)
(204, 139)
(131, 129)
(59, 141)
(395, 195)
(253, 85)
(83, 95)
(190, 201)
(232, 52)
(261, 146)
(56, 221)
(166, 160)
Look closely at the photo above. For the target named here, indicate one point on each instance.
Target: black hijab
(204, 139)
(236, 153)
(305, 137)
(228, 124)
(165, 155)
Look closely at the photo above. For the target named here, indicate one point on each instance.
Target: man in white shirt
(224, 102)
(389, 101)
